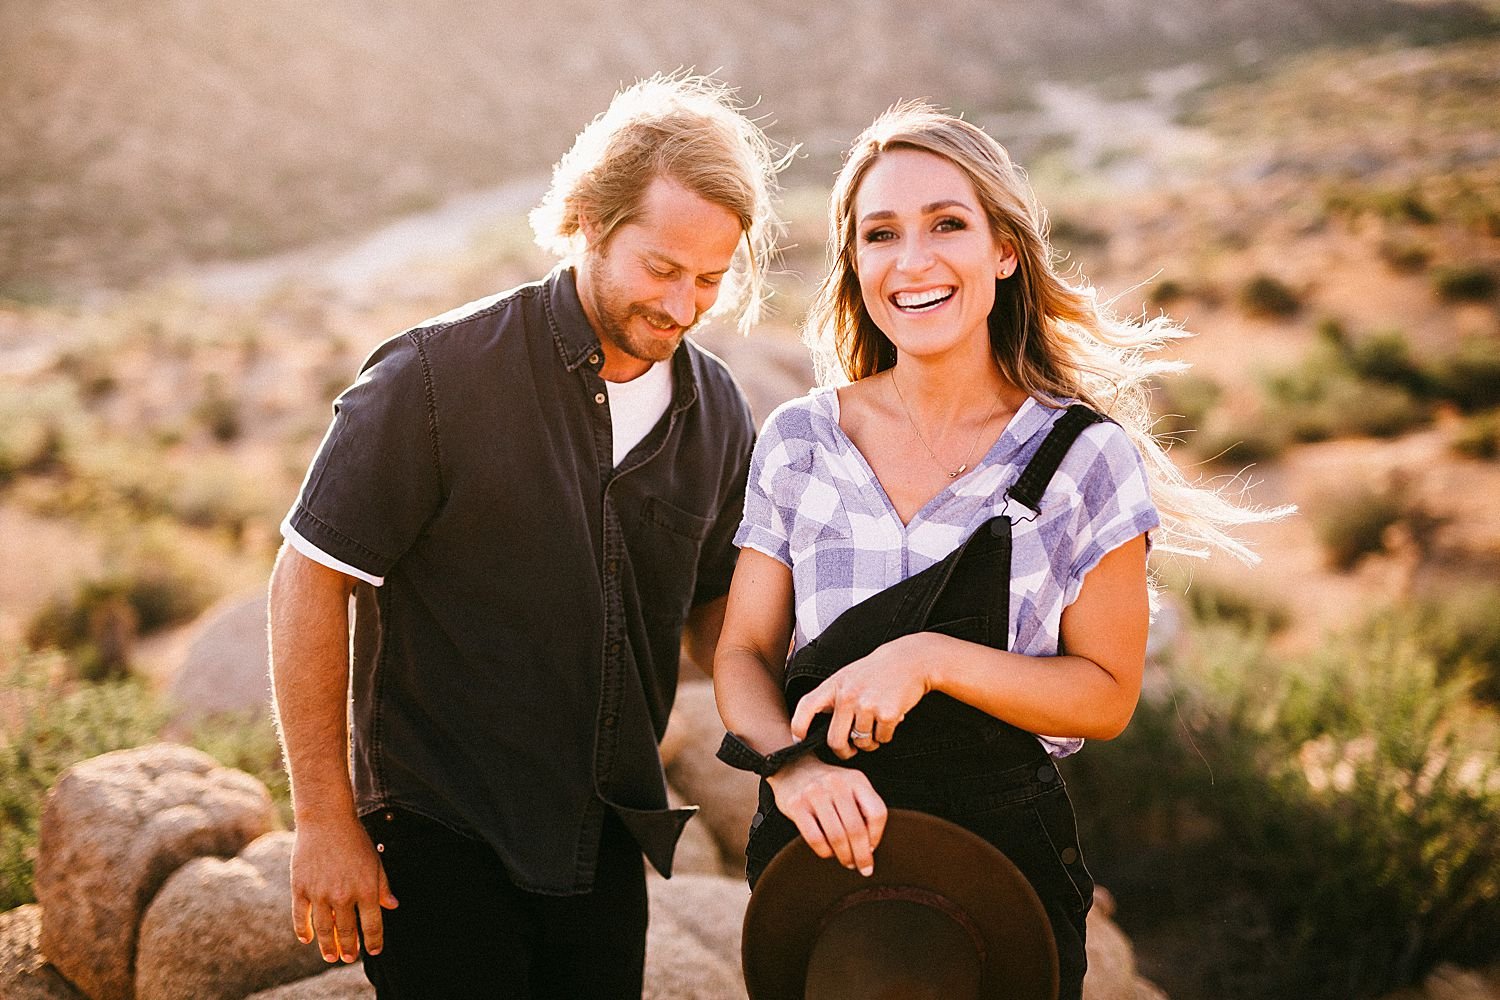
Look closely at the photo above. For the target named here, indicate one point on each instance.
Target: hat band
(909, 894)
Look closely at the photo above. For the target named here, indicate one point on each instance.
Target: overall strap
(1032, 483)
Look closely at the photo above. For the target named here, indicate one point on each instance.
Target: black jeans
(463, 930)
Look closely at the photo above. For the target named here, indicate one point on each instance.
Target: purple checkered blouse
(814, 504)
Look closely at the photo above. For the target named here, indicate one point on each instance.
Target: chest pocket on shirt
(670, 541)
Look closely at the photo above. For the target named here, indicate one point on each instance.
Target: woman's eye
(950, 225)
(879, 236)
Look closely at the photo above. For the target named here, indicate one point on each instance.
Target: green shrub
(1470, 376)
(1322, 399)
(1353, 525)
(1210, 601)
(1405, 256)
(1478, 437)
(1183, 402)
(1460, 628)
(1465, 282)
(1268, 297)
(218, 412)
(148, 590)
(1166, 291)
(49, 724)
(1385, 357)
(1327, 824)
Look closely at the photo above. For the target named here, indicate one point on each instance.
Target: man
(531, 501)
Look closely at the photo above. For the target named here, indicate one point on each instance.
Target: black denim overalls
(949, 758)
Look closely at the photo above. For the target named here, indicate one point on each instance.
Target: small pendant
(958, 472)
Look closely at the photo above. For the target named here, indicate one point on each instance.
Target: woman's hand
(836, 809)
(868, 698)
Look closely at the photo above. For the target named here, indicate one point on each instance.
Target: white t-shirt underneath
(636, 406)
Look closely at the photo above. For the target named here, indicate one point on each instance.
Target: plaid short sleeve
(1114, 499)
(783, 451)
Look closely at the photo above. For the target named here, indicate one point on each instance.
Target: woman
(963, 350)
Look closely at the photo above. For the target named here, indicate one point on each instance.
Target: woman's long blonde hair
(1049, 338)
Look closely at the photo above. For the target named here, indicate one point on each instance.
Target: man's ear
(590, 230)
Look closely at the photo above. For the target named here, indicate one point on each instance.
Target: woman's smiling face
(926, 258)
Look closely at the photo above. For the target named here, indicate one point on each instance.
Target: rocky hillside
(137, 135)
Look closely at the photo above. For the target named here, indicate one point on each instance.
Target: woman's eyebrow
(928, 209)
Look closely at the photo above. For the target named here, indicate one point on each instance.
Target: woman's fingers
(836, 810)
(819, 699)
(861, 851)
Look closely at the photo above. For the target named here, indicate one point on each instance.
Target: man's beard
(615, 318)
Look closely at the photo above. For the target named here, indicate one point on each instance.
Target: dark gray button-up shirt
(513, 675)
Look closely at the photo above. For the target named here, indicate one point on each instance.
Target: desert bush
(1385, 356)
(1478, 437)
(1465, 282)
(1348, 801)
(1461, 630)
(1183, 402)
(219, 413)
(1166, 291)
(90, 371)
(1266, 296)
(1353, 525)
(1323, 399)
(147, 589)
(1403, 255)
(1470, 376)
(1211, 600)
(49, 722)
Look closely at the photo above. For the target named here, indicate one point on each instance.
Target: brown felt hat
(946, 915)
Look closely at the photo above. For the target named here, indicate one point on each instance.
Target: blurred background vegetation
(1308, 799)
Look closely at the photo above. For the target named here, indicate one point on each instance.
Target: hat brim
(798, 891)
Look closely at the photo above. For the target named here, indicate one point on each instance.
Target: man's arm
(338, 884)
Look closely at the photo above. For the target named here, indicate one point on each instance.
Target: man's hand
(338, 889)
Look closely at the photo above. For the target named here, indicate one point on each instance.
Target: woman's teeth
(922, 301)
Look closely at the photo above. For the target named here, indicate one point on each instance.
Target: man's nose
(681, 303)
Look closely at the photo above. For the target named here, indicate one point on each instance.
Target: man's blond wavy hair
(1050, 337)
(687, 128)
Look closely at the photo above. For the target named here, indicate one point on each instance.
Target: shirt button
(599, 397)
(609, 722)
(1068, 855)
(612, 567)
(1045, 773)
(380, 848)
(614, 649)
(593, 359)
(390, 816)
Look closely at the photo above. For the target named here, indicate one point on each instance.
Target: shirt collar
(578, 343)
(576, 340)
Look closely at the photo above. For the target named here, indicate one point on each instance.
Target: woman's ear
(1005, 261)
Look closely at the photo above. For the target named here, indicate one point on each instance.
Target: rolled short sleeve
(766, 525)
(376, 479)
(1114, 499)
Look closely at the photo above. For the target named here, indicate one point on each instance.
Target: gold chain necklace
(964, 467)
